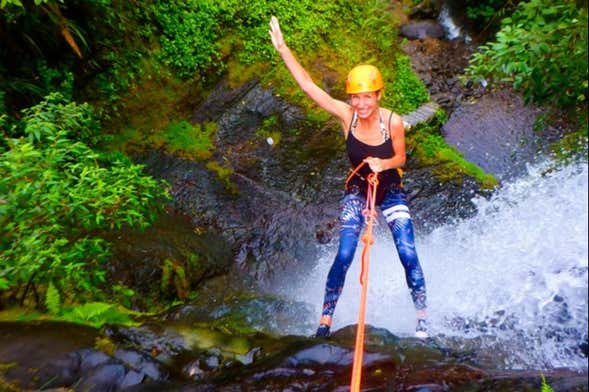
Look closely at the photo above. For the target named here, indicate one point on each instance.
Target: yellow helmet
(363, 79)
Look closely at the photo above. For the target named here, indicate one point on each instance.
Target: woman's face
(365, 104)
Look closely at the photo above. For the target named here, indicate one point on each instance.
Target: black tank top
(358, 150)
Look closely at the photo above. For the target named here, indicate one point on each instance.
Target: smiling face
(365, 104)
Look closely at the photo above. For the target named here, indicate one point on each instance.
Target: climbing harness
(370, 214)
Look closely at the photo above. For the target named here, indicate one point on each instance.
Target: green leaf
(52, 299)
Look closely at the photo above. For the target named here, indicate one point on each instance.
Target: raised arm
(336, 107)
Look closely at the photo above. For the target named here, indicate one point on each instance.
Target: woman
(375, 136)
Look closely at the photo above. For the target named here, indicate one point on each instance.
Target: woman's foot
(322, 331)
(324, 326)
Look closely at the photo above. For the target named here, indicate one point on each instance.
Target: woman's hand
(276, 34)
(376, 164)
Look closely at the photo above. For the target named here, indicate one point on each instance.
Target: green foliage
(97, 314)
(56, 114)
(407, 92)
(174, 277)
(56, 195)
(52, 299)
(198, 37)
(545, 387)
(190, 141)
(4, 3)
(365, 32)
(305, 24)
(123, 294)
(485, 12)
(541, 50)
(55, 80)
(132, 46)
(190, 32)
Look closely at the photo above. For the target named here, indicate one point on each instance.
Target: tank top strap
(384, 131)
(353, 123)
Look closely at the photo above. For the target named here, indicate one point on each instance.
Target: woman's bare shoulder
(389, 115)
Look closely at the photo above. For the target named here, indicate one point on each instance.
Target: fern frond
(545, 387)
(52, 299)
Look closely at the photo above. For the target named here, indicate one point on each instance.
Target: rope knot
(373, 179)
(369, 213)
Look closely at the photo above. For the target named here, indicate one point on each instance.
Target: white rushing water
(513, 278)
(452, 30)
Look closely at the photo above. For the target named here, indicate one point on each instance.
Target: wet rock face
(435, 203)
(439, 64)
(284, 195)
(176, 357)
(140, 259)
(54, 355)
(497, 133)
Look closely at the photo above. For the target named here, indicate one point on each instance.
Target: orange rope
(356, 170)
(368, 240)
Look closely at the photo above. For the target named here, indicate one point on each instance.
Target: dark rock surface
(176, 357)
(422, 29)
(497, 132)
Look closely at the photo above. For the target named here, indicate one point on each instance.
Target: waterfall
(513, 277)
(446, 20)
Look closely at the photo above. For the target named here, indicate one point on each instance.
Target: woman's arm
(336, 107)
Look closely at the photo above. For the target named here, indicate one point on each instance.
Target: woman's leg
(351, 220)
(396, 212)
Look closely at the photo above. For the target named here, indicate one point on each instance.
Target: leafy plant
(541, 50)
(52, 299)
(98, 314)
(174, 276)
(56, 195)
(191, 31)
(545, 386)
(488, 12)
(56, 114)
(407, 92)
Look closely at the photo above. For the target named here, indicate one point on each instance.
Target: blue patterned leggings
(396, 213)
